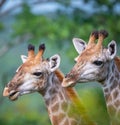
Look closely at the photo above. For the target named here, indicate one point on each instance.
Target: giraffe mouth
(14, 95)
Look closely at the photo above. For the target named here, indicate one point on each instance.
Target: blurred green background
(55, 23)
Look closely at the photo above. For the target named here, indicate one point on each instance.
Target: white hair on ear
(79, 45)
(24, 58)
(54, 62)
(112, 49)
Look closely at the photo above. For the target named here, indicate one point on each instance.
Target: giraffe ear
(112, 49)
(24, 58)
(54, 62)
(79, 45)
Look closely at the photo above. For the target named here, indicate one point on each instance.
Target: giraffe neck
(112, 90)
(58, 104)
(74, 97)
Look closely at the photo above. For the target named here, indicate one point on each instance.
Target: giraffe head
(93, 60)
(32, 75)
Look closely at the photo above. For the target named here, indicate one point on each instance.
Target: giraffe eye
(37, 73)
(98, 63)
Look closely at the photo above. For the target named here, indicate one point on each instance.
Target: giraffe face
(91, 65)
(31, 77)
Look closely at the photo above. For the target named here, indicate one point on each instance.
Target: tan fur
(117, 61)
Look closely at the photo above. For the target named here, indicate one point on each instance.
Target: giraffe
(42, 75)
(96, 63)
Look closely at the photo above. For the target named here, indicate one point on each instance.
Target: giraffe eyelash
(37, 73)
(98, 63)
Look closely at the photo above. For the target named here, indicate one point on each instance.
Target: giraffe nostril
(12, 93)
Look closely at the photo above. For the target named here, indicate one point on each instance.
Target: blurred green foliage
(56, 29)
(1, 26)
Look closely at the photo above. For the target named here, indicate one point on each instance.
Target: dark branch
(2, 3)
(5, 48)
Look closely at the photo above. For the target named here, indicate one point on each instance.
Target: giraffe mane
(70, 91)
(117, 62)
(60, 75)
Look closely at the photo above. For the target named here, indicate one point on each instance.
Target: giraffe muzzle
(6, 91)
(14, 95)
